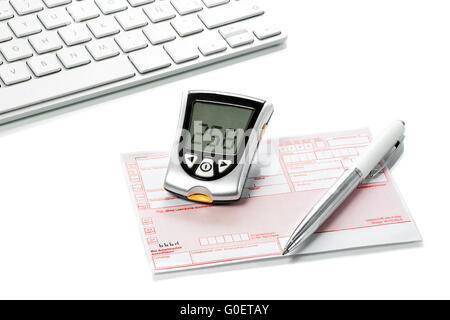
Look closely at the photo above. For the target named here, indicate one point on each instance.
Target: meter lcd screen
(218, 128)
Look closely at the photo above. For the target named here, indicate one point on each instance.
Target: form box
(151, 163)
(266, 190)
(299, 157)
(318, 165)
(348, 141)
(264, 181)
(224, 238)
(172, 260)
(315, 185)
(153, 179)
(229, 254)
(317, 175)
(170, 201)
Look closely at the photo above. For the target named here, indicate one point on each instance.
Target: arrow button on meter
(190, 160)
(224, 165)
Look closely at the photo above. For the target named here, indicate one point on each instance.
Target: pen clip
(390, 158)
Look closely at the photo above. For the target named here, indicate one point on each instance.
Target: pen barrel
(379, 147)
(327, 205)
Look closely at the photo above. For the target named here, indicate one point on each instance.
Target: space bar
(64, 83)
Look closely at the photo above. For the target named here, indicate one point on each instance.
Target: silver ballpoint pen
(381, 153)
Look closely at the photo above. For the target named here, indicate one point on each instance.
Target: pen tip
(285, 252)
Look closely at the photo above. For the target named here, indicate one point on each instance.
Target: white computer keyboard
(57, 52)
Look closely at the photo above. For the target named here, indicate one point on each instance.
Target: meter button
(224, 165)
(190, 160)
(200, 198)
(206, 169)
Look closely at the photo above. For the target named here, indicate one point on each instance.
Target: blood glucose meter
(218, 135)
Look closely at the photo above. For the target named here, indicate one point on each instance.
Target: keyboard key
(111, 6)
(266, 32)
(56, 3)
(150, 59)
(44, 65)
(25, 26)
(103, 27)
(232, 30)
(54, 18)
(23, 7)
(74, 34)
(181, 52)
(5, 34)
(186, 26)
(103, 49)
(47, 42)
(131, 41)
(65, 40)
(64, 83)
(6, 12)
(136, 3)
(16, 50)
(132, 19)
(82, 11)
(159, 11)
(159, 33)
(235, 12)
(214, 3)
(186, 6)
(212, 45)
(240, 40)
(14, 73)
(73, 57)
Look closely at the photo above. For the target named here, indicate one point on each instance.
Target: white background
(67, 226)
